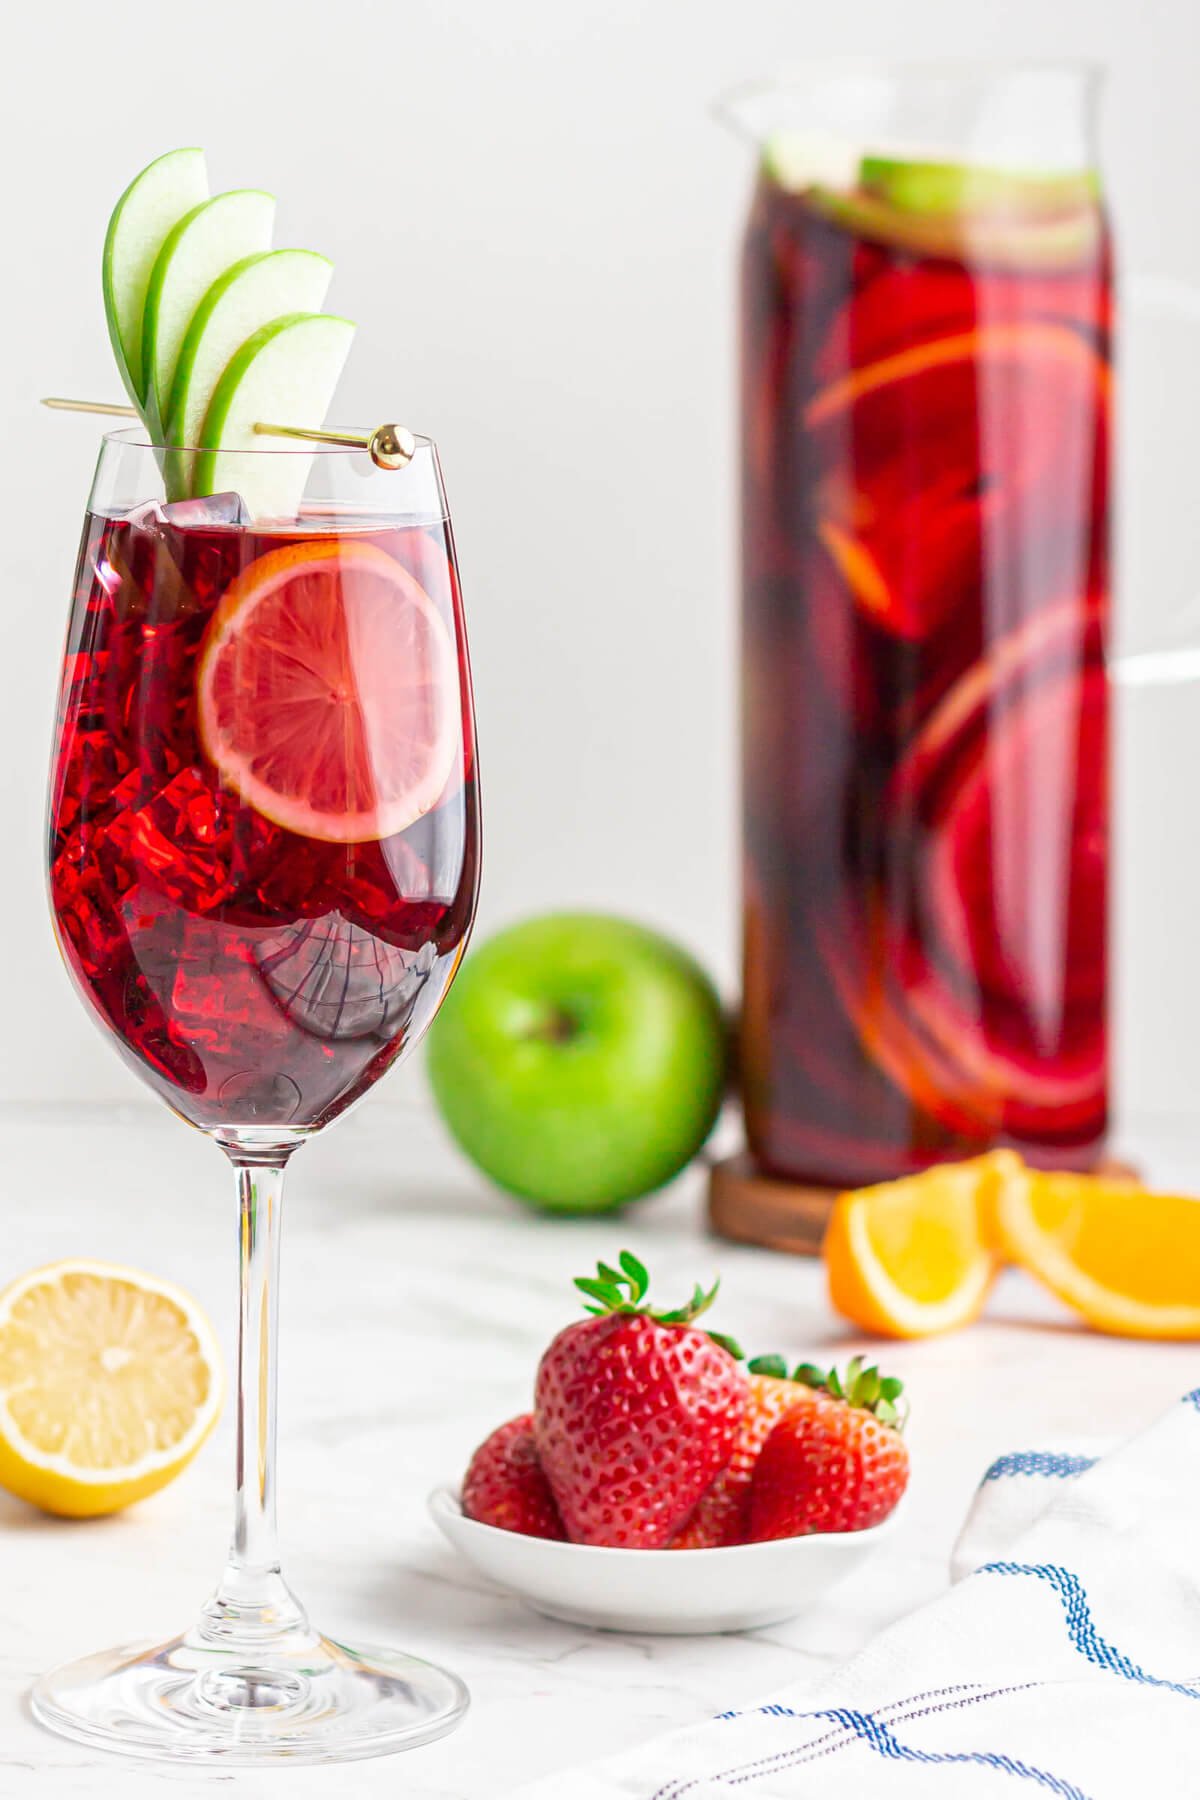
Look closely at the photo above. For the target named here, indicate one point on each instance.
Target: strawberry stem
(624, 1290)
(860, 1385)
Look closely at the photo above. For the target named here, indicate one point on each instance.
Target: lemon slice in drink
(328, 691)
(110, 1381)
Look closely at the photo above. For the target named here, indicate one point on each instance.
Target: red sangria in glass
(927, 399)
(254, 893)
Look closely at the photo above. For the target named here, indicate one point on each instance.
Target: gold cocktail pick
(388, 446)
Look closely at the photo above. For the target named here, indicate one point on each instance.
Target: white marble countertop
(415, 1305)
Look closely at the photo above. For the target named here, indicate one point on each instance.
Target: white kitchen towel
(1067, 1663)
(1015, 1491)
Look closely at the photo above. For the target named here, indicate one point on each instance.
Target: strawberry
(834, 1463)
(722, 1516)
(636, 1412)
(504, 1484)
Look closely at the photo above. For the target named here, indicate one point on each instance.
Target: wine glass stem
(253, 1603)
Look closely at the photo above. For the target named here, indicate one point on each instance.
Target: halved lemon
(328, 691)
(110, 1381)
(910, 1258)
(1126, 1258)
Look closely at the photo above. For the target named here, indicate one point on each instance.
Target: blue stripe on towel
(1081, 1627)
(1193, 1399)
(1056, 1463)
(879, 1735)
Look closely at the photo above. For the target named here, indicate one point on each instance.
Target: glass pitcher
(927, 322)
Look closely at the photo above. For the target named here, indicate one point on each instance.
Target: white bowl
(680, 1592)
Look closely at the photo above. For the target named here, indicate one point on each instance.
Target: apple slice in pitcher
(798, 160)
(152, 204)
(269, 285)
(284, 374)
(958, 188)
(1056, 241)
(200, 248)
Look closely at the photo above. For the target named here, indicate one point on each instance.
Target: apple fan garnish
(213, 331)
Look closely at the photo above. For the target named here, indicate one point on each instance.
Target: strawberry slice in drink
(1004, 903)
(976, 980)
(951, 465)
(328, 692)
(1016, 905)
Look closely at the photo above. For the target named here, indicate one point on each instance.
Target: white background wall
(534, 222)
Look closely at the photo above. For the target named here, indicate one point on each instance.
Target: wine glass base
(185, 1701)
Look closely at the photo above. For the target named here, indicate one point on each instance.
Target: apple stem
(557, 1027)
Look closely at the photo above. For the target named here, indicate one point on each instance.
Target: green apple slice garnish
(267, 286)
(195, 252)
(150, 207)
(284, 374)
(958, 188)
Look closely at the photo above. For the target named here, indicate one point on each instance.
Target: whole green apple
(579, 1060)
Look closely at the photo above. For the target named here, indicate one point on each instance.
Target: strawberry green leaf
(768, 1365)
(861, 1385)
(599, 1290)
(810, 1375)
(636, 1271)
(624, 1290)
(728, 1343)
(866, 1389)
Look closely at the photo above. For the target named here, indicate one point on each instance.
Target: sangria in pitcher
(926, 354)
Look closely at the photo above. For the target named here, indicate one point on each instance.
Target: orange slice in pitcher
(950, 457)
(328, 691)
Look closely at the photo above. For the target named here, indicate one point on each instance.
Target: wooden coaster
(753, 1208)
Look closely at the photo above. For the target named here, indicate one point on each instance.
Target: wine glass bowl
(254, 969)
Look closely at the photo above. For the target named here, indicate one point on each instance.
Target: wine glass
(264, 856)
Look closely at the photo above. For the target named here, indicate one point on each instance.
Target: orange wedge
(1126, 1258)
(911, 1258)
